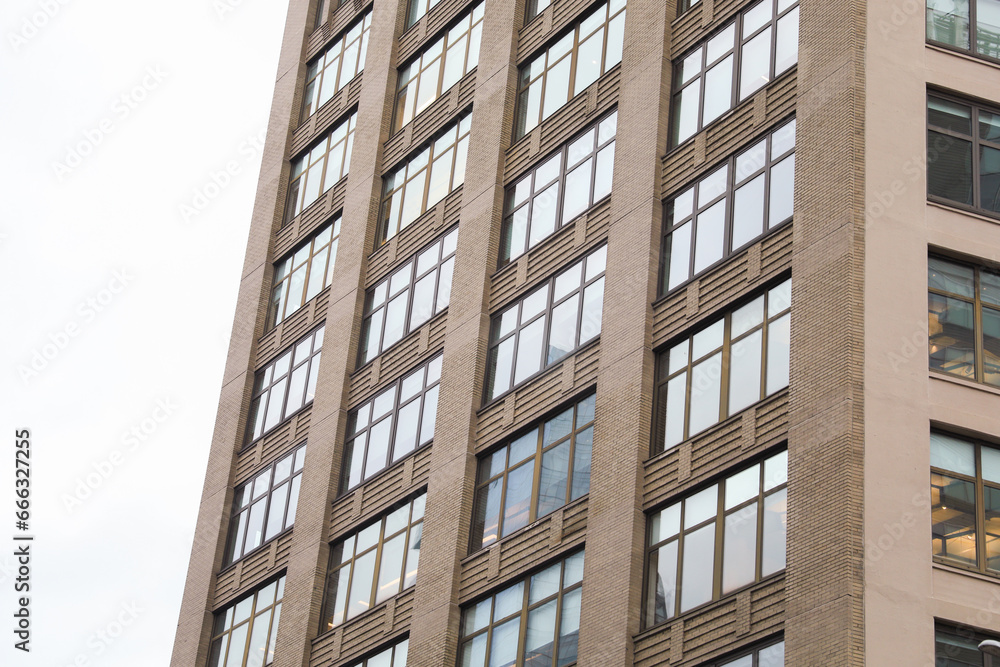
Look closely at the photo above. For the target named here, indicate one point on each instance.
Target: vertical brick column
(434, 629)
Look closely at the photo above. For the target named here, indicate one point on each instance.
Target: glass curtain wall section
(440, 66)
(963, 154)
(968, 25)
(244, 633)
(572, 63)
(303, 273)
(531, 623)
(724, 368)
(559, 189)
(534, 474)
(717, 541)
(741, 58)
(742, 200)
(333, 69)
(373, 564)
(318, 169)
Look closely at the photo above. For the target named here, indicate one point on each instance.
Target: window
(737, 203)
(534, 7)
(772, 655)
(963, 163)
(717, 540)
(439, 67)
(531, 623)
(968, 25)
(413, 294)
(559, 189)
(319, 168)
(394, 656)
(322, 9)
(335, 67)
(963, 320)
(391, 425)
(265, 506)
(416, 10)
(761, 43)
(304, 273)
(965, 476)
(556, 75)
(244, 632)
(373, 564)
(425, 179)
(956, 646)
(285, 385)
(534, 474)
(684, 5)
(545, 326)
(726, 367)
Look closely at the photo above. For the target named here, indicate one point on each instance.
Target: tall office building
(614, 332)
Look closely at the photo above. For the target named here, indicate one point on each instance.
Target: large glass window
(738, 202)
(559, 189)
(385, 429)
(969, 25)
(726, 367)
(963, 154)
(425, 179)
(414, 293)
(743, 57)
(957, 646)
(318, 169)
(394, 656)
(771, 655)
(438, 67)
(717, 540)
(531, 623)
(534, 474)
(304, 273)
(578, 59)
(334, 68)
(543, 327)
(373, 564)
(265, 506)
(417, 8)
(285, 385)
(244, 633)
(965, 503)
(963, 320)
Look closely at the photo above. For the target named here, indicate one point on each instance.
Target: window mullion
(978, 332)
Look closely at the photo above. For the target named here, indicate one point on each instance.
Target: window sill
(961, 53)
(962, 382)
(963, 571)
(955, 207)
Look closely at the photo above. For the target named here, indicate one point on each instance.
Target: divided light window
(726, 367)
(438, 67)
(739, 202)
(425, 179)
(373, 564)
(540, 329)
(717, 540)
(968, 25)
(532, 623)
(965, 503)
(394, 423)
(772, 655)
(413, 294)
(304, 273)
(318, 169)
(244, 633)
(265, 506)
(336, 67)
(556, 75)
(417, 8)
(559, 189)
(957, 646)
(534, 475)
(760, 44)
(285, 385)
(963, 154)
(963, 320)
(394, 656)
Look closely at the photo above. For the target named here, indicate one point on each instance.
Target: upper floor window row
(578, 59)
(417, 8)
(439, 67)
(562, 187)
(394, 656)
(425, 179)
(745, 198)
(318, 169)
(244, 633)
(968, 25)
(304, 273)
(760, 44)
(334, 68)
(963, 154)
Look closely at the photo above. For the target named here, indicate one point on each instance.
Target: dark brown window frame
(285, 281)
(391, 648)
(961, 631)
(221, 616)
(753, 651)
(337, 42)
(348, 119)
(531, 10)
(412, 17)
(973, 38)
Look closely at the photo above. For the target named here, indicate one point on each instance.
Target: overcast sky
(119, 301)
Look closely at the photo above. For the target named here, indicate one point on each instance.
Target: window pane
(949, 115)
(577, 198)
(739, 549)
(390, 568)
(772, 555)
(581, 462)
(517, 504)
(755, 63)
(699, 556)
(413, 554)
(540, 634)
(605, 168)
(554, 477)
(569, 627)
(772, 656)
(276, 514)
(661, 590)
(686, 112)
(948, 22)
(474, 652)
(676, 400)
(718, 91)
(950, 277)
(744, 372)
(782, 191)
(711, 229)
(529, 352)
(989, 179)
(953, 454)
(556, 87)
(361, 584)
(786, 52)
(778, 343)
(990, 458)
(487, 520)
(588, 61)
(953, 519)
(501, 362)
(949, 167)
(543, 214)
(503, 644)
(952, 337)
(706, 385)
(748, 212)
(562, 338)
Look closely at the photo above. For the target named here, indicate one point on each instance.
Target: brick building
(594, 333)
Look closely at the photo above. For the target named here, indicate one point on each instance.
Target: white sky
(63, 237)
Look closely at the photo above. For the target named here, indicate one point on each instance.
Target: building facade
(594, 333)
